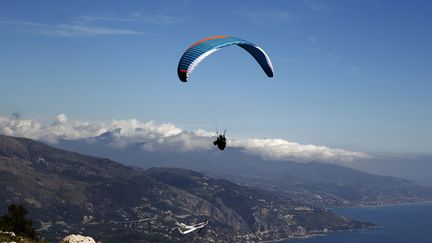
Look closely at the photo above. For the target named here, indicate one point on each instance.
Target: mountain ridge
(67, 192)
(336, 185)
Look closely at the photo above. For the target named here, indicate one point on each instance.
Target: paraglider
(203, 48)
(220, 141)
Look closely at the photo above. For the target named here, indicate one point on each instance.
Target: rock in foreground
(78, 239)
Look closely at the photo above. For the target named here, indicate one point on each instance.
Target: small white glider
(186, 229)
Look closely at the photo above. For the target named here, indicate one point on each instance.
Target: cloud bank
(152, 136)
(280, 149)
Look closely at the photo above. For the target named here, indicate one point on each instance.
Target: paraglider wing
(203, 48)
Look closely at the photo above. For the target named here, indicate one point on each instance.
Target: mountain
(335, 186)
(319, 184)
(67, 192)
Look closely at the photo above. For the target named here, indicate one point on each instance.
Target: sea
(398, 224)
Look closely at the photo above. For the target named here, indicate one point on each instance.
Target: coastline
(372, 227)
(425, 202)
(293, 238)
(319, 234)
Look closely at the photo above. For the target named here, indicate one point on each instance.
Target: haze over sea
(400, 224)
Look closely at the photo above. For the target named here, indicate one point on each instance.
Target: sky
(352, 75)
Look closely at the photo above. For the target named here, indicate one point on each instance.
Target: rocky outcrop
(78, 239)
(11, 237)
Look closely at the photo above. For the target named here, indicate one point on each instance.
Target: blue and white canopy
(203, 48)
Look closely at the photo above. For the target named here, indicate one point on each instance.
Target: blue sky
(349, 74)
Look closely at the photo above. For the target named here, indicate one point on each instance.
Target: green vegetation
(15, 221)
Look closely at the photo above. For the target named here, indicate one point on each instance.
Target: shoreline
(320, 234)
(324, 234)
(426, 202)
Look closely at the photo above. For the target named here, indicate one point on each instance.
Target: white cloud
(139, 16)
(265, 17)
(317, 5)
(60, 119)
(184, 141)
(280, 149)
(90, 25)
(152, 136)
(68, 29)
(60, 128)
(354, 70)
(312, 39)
(163, 19)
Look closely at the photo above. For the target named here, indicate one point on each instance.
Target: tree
(15, 220)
